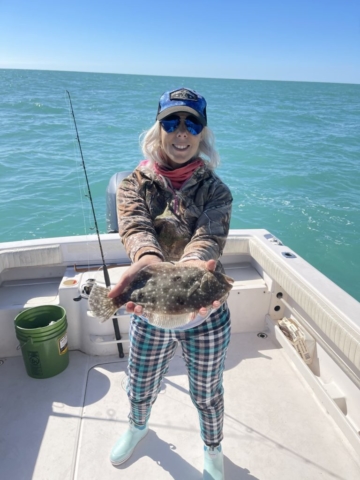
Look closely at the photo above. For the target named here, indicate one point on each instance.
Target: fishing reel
(86, 289)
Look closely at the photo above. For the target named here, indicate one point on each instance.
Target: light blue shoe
(213, 463)
(126, 444)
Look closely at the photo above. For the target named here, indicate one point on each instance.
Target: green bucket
(44, 347)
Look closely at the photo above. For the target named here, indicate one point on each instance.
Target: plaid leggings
(204, 350)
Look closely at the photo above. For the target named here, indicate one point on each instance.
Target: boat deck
(64, 427)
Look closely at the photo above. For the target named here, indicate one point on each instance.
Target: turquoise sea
(290, 153)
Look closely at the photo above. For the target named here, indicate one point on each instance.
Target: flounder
(170, 294)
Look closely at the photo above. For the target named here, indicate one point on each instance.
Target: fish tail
(100, 304)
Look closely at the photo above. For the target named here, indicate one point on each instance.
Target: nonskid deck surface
(64, 427)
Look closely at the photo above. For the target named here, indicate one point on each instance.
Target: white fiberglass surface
(64, 427)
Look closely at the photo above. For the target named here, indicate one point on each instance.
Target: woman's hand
(128, 276)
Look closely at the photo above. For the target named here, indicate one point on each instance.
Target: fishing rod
(105, 270)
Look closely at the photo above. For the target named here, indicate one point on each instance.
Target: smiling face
(180, 146)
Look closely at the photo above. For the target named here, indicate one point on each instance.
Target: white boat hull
(271, 282)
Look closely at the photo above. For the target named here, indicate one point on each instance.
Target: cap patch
(184, 94)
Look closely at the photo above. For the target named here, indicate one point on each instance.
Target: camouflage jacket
(192, 222)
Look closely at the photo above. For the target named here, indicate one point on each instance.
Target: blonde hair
(150, 143)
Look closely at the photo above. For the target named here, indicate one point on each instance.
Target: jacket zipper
(176, 202)
(170, 188)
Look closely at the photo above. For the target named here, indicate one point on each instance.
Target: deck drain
(262, 335)
(124, 382)
(2, 361)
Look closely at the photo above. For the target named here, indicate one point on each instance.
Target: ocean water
(290, 153)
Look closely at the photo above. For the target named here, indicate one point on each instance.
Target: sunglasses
(192, 124)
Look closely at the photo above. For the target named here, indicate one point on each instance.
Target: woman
(174, 208)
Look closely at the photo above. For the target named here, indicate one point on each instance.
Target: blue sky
(304, 40)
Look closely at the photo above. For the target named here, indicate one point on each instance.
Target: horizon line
(177, 76)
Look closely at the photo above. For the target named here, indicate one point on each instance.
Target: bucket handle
(21, 345)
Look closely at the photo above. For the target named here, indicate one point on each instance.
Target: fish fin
(169, 321)
(229, 279)
(99, 303)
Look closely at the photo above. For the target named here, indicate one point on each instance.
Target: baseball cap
(182, 100)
